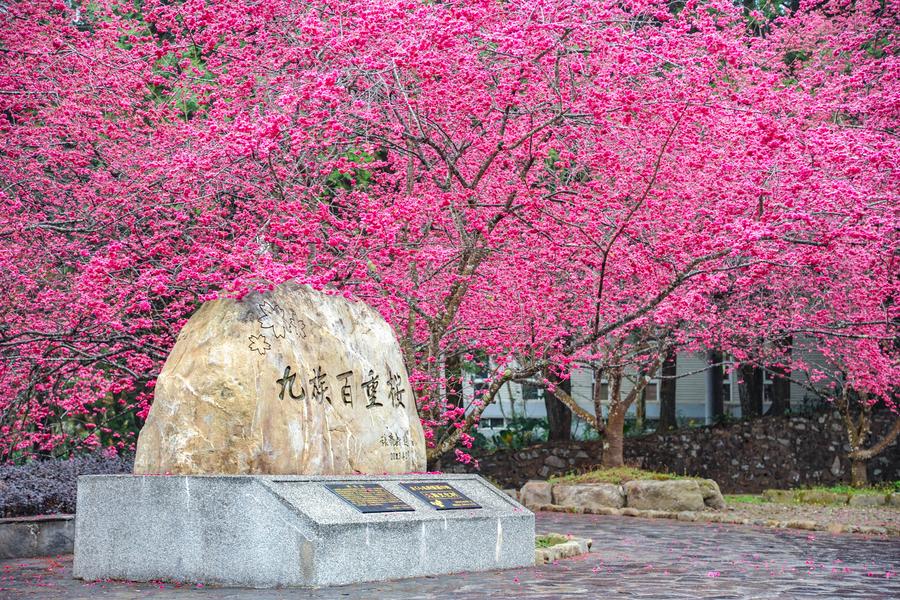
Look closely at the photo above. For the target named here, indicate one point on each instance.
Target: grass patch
(878, 490)
(745, 499)
(615, 476)
(836, 495)
(552, 539)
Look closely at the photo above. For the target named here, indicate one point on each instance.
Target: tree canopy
(540, 181)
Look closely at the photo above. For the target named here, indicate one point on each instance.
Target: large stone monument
(283, 448)
(293, 381)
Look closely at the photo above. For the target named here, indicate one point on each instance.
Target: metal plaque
(440, 494)
(368, 497)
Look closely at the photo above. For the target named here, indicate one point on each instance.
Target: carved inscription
(274, 323)
(287, 384)
(371, 388)
(400, 447)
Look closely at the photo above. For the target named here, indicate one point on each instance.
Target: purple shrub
(48, 486)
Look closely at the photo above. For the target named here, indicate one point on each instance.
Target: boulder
(822, 497)
(894, 499)
(674, 496)
(589, 495)
(535, 493)
(867, 500)
(292, 381)
(779, 496)
(712, 497)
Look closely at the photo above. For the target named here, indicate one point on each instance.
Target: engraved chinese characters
(318, 383)
(293, 381)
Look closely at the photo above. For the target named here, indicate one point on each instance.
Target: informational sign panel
(368, 497)
(440, 494)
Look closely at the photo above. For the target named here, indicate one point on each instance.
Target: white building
(693, 396)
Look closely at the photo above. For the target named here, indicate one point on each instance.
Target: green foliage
(357, 178)
(876, 46)
(745, 499)
(876, 490)
(521, 432)
(792, 56)
(552, 539)
(836, 495)
(583, 431)
(481, 441)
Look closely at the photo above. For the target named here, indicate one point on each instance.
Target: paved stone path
(635, 558)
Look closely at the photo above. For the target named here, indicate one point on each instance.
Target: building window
(492, 423)
(531, 391)
(768, 389)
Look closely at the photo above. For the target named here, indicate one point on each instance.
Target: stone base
(279, 531)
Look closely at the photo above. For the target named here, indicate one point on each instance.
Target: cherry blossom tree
(537, 181)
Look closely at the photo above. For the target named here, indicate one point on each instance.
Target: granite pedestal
(279, 531)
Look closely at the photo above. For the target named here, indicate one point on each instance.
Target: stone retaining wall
(748, 456)
(24, 537)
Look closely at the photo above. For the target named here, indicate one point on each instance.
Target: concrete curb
(27, 537)
(717, 517)
(573, 547)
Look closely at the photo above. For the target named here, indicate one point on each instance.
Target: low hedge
(48, 486)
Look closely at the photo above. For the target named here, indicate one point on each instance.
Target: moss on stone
(616, 476)
(551, 539)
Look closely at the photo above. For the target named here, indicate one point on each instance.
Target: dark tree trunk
(597, 394)
(781, 384)
(667, 389)
(559, 417)
(640, 411)
(715, 388)
(751, 391)
(781, 391)
(453, 373)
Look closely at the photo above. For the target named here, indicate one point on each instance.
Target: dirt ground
(835, 518)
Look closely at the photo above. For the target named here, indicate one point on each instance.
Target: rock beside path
(589, 495)
(672, 496)
(536, 493)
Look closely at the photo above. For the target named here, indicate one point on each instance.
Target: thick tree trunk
(751, 391)
(859, 475)
(858, 432)
(559, 417)
(667, 390)
(715, 386)
(614, 446)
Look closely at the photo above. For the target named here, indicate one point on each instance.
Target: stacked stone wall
(748, 456)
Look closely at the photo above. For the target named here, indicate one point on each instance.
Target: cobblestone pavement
(634, 558)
